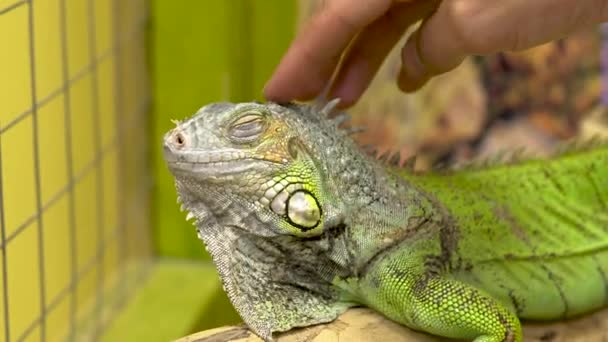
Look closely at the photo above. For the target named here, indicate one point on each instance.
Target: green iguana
(302, 224)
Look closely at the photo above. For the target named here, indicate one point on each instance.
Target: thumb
(460, 28)
(434, 48)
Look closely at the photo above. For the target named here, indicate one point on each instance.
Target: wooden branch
(364, 325)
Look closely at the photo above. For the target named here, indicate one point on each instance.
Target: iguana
(303, 224)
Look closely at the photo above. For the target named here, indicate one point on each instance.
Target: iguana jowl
(302, 224)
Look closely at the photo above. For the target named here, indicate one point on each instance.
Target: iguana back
(534, 233)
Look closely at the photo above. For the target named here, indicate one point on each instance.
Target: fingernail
(267, 91)
(264, 92)
(413, 73)
(274, 93)
(408, 84)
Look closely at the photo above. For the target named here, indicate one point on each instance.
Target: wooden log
(364, 325)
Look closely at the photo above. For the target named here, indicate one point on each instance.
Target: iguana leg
(438, 305)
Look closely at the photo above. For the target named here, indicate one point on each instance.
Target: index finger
(310, 61)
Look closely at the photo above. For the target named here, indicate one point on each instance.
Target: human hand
(363, 32)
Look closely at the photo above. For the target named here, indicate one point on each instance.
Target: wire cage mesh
(74, 181)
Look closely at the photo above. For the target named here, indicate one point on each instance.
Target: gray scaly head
(256, 178)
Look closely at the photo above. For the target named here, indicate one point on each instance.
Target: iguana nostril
(179, 140)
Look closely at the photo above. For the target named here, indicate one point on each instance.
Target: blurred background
(92, 243)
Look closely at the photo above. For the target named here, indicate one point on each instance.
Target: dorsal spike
(341, 119)
(395, 159)
(500, 157)
(410, 163)
(384, 157)
(518, 154)
(439, 166)
(354, 130)
(369, 149)
(329, 107)
(579, 144)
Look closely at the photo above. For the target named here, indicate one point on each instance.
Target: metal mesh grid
(119, 255)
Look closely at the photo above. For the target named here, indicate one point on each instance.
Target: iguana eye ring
(303, 210)
(247, 127)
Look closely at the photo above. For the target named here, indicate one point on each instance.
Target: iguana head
(265, 159)
(262, 181)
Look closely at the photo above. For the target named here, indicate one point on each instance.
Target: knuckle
(356, 15)
(470, 26)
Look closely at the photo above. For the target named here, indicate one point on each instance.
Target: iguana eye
(248, 127)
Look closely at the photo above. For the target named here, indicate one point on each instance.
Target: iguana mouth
(213, 163)
(205, 157)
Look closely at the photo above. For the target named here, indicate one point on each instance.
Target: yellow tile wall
(74, 124)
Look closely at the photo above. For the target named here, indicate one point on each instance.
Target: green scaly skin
(302, 225)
